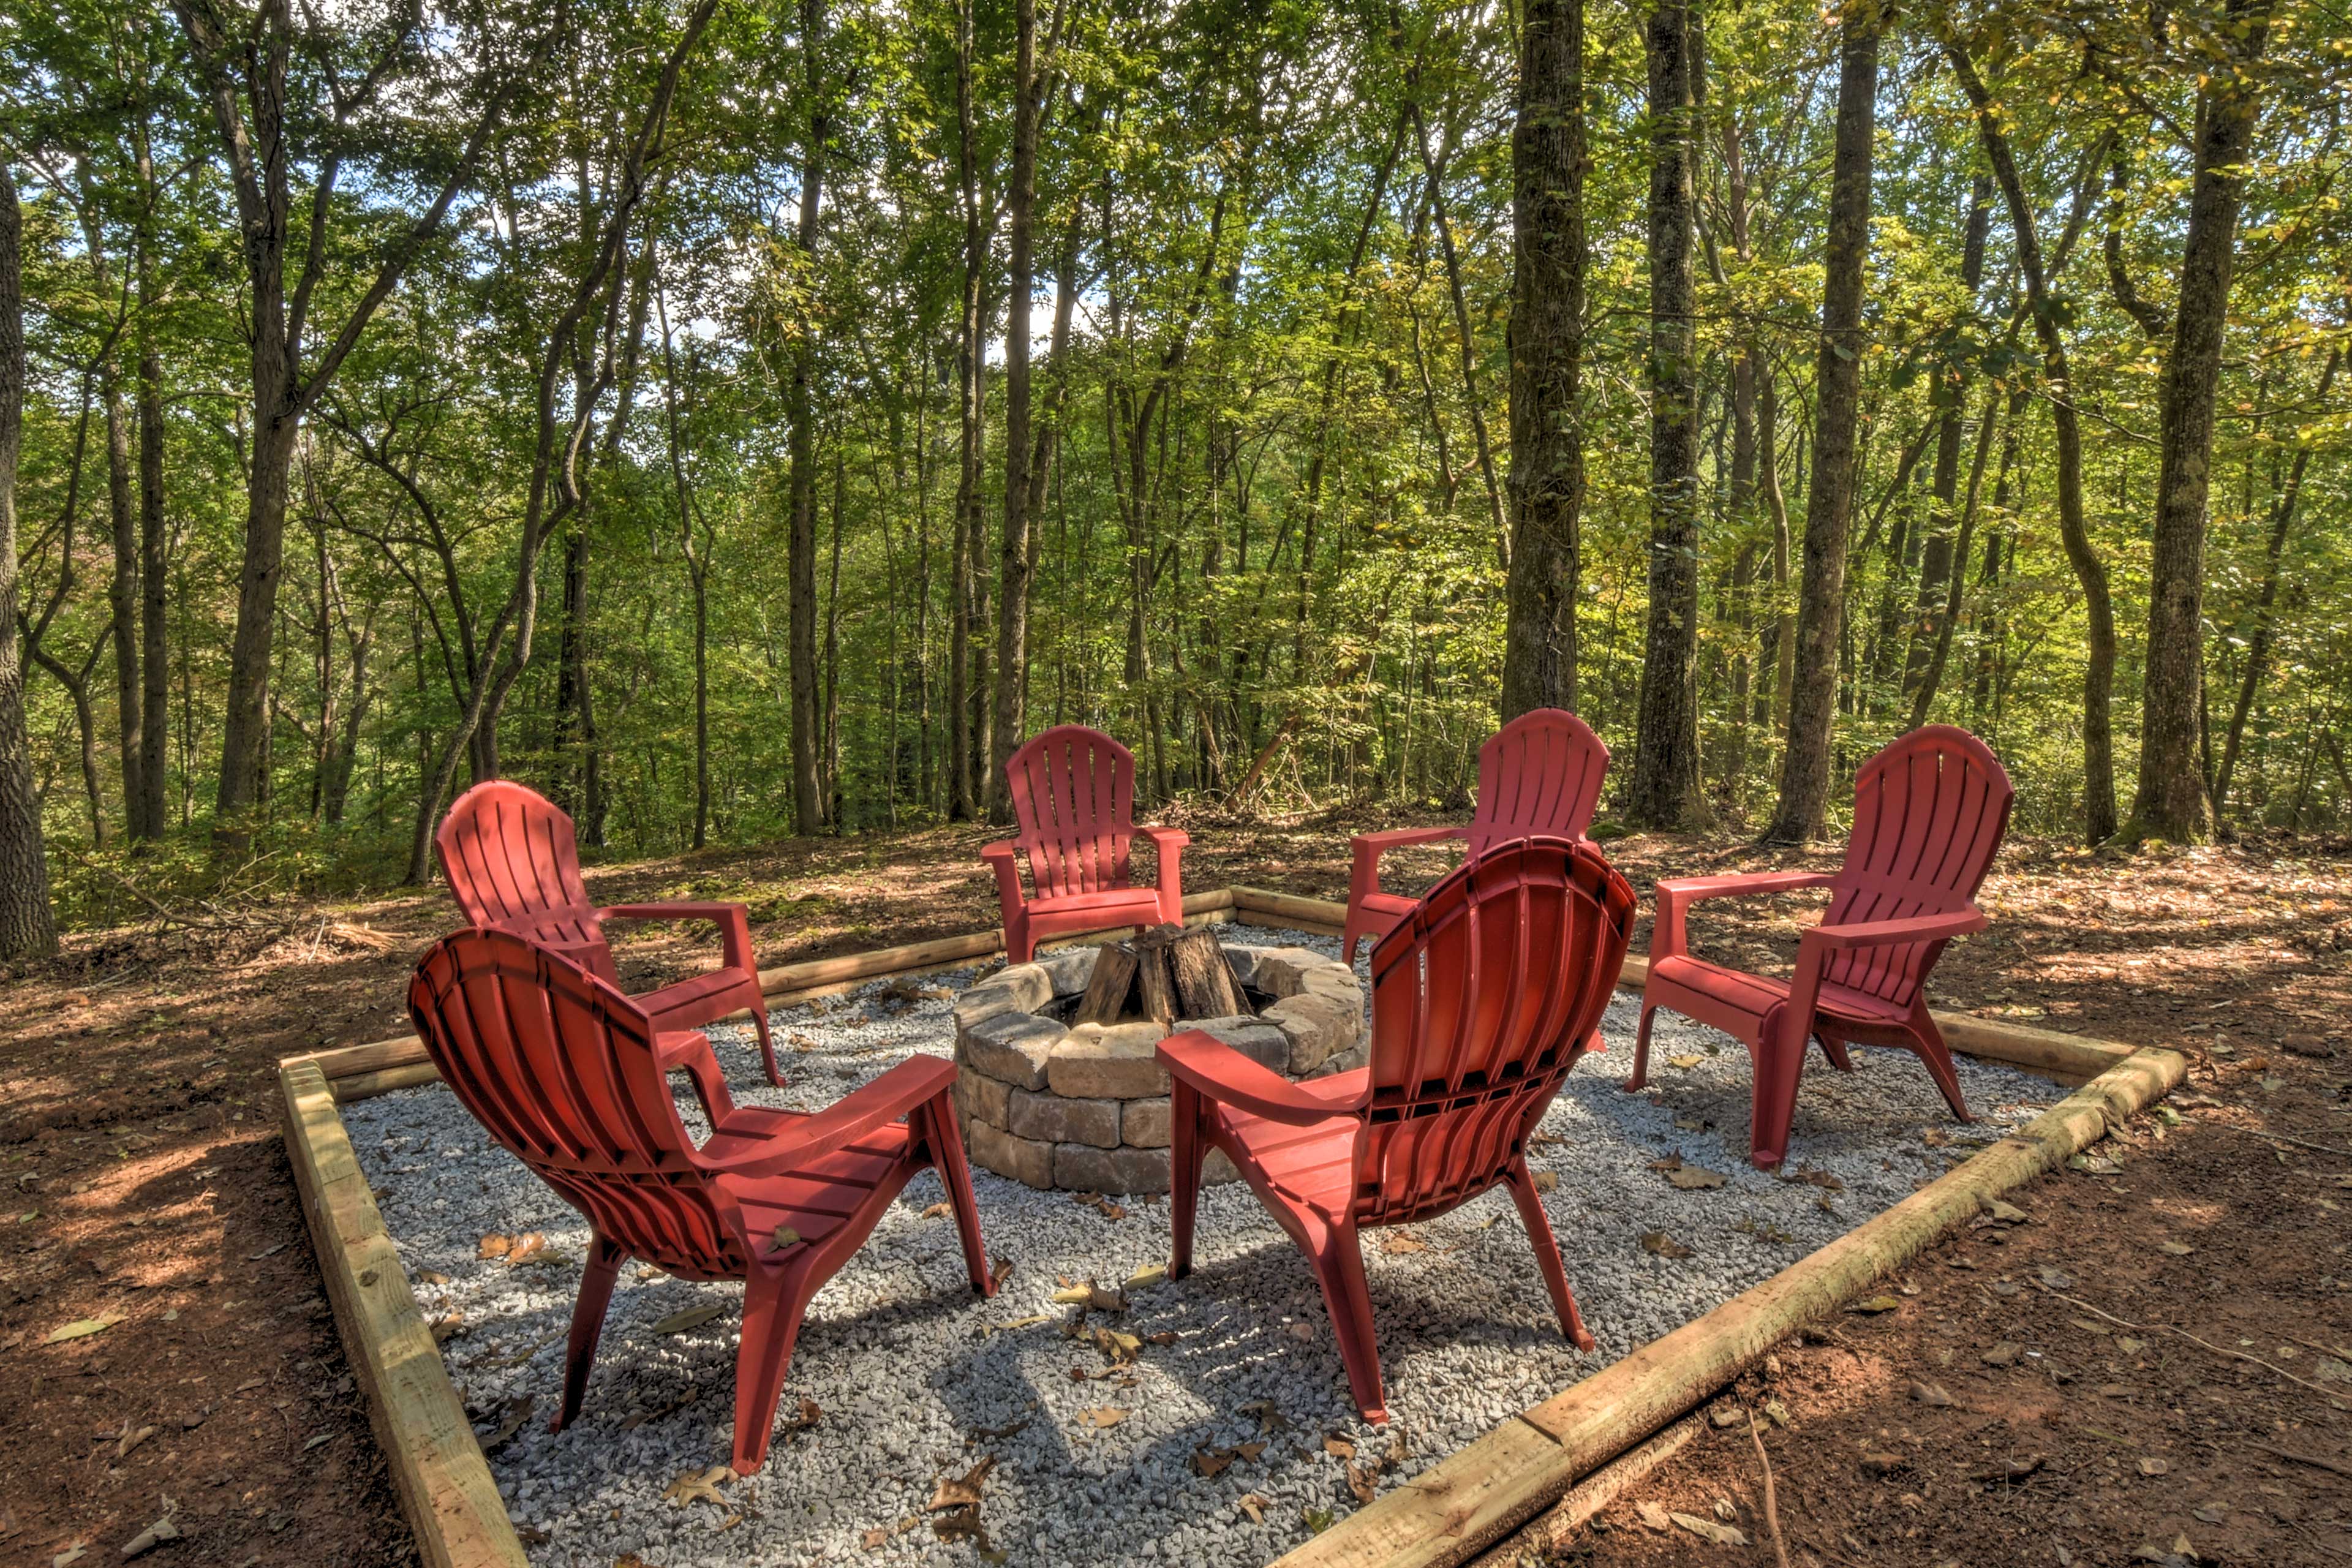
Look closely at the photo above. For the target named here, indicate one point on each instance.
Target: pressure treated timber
(1461, 1507)
(438, 1469)
(1597, 1491)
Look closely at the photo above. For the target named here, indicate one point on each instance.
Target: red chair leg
(774, 1302)
(1020, 946)
(767, 1041)
(1778, 1062)
(1185, 1158)
(1539, 1236)
(1339, 1269)
(1835, 1049)
(1641, 1078)
(947, 1155)
(1351, 933)
(604, 1260)
(1938, 1057)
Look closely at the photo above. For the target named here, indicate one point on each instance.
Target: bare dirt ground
(143, 1185)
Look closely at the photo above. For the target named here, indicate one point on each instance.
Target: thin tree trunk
(1936, 568)
(1931, 679)
(1664, 792)
(2171, 801)
(122, 588)
(2098, 673)
(1773, 709)
(808, 801)
(1803, 806)
(2258, 640)
(1433, 167)
(147, 819)
(1548, 257)
(1013, 563)
(962, 800)
(27, 930)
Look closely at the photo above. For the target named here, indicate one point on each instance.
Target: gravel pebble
(894, 1355)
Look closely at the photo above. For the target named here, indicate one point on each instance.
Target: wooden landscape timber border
(1572, 1454)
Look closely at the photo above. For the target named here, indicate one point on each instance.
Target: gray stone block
(980, 1098)
(1081, 1169)
(1281, 970)
(1011, 1046)
(1055, 1120)
(1070, 969)
(1023, 1159)
(1115, 1063)
(1144, 1123)
(1260, 1039)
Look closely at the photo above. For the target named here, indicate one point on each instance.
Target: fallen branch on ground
(1771, 1503)
(2192, 1339)
(2314, 1460)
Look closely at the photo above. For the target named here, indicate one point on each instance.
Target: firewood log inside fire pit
(1166, 974)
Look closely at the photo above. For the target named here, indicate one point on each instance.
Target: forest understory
(144, 1179)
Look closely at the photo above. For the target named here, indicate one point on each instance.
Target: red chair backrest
(1929, 815)
(1482, 1000)
(513, 865)
(1538, 774)
(559, 1066)
(1074, 796)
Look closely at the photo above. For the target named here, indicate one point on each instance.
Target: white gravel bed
(914, 1383)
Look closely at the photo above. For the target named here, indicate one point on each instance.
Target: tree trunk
(808, 800)
(1957, 571)
(1803, 805)
(122, 589)
(1434, 169)
(1664, 792)
(2171, 801)
(1014, 581)
(27, 928)
(2099, 668)
(964, 565)
(146, 818)
(1548, 255)
(1936, 569)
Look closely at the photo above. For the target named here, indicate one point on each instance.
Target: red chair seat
(1756, 994)
(1110, 900)
(1482, 1002)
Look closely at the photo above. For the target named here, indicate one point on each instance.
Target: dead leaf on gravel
(1269, 1419)
(1876, 1304)
(1807, 1176)
(961, 1491)
(1684, 1064)
(1397, 1244)
(510, 1419)
(1709, 1529)
(938, 1211)
(811, 1413)
(1690, 1124)
(690, 1318)
(527, 1246)
(1146, 1277)
(1210, 1463)
(1360, 1481)
(1104, 1416)
(1093, 1297)
(1549, 1181)
(1654, 1516)
(1694, 1178)
(80, 1329)
(1164, 1337)
(1338, 1448)
(875, 1540)
(494, 1245)
(1002, 1272)
(701, 1486)
(1663, 1246)
(1119, 1349)
(1253, 1505)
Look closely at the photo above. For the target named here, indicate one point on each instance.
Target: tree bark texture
(1803, 805)
(1012, 582)
(799, 548)
(27, 930)
(1664, 792)
(1548, 255)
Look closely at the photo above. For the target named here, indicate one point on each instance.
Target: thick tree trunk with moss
(27, 927)
(1664, 792)
(2172, 801)
(1547, 250)
(1829, 500)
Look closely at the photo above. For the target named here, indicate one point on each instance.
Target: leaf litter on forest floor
(1689, 1178)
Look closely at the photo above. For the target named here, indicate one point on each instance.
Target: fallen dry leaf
(691, 1318)
(1931, 1395)
(1684, 1064)
(1002, 1272)
(874, 1540)
(124, 1441)
(961, 1491)
(1549, 1181)
(1876, 1304)
(510, 1419)
(1397, 1244)
(82, 1328)
(1360, 1481)
(1663, 1244)
(1269, 1419)
(528, 1244)
(1119, 1349)
(154, 1535)
(810, 1415)
(1103, 1417)
(938, 1211)
(785, 1237)
(1654, 1516)
(694, 1486)
(1710, 1529)
(1694, 1178)
(1253, 1505)
(1146, 1277)
(1813, 1178)
(494, 1246)
(1210, 1463)
(1338, 1448)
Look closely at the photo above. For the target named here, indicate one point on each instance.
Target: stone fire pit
(1085, 1107)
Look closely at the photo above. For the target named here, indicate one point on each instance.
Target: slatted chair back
(1928, 814)
(1540, 774)
(1074, 796)
(1482, 1000)
(513, 865)
(560, 1067)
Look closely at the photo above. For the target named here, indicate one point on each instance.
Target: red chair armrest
(1210, 1067)
(1004, 855)
(848, 1119)
(1886, 934)
(1168, 849)
(733, 921)
(1367, 848)
(1670, 939)
(1166, 839)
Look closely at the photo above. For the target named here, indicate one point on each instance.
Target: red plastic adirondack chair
(513, 865)
(1074, 796)
(568, 1076)
(1929, 815)
(1540, 774)
(1482, 1001)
